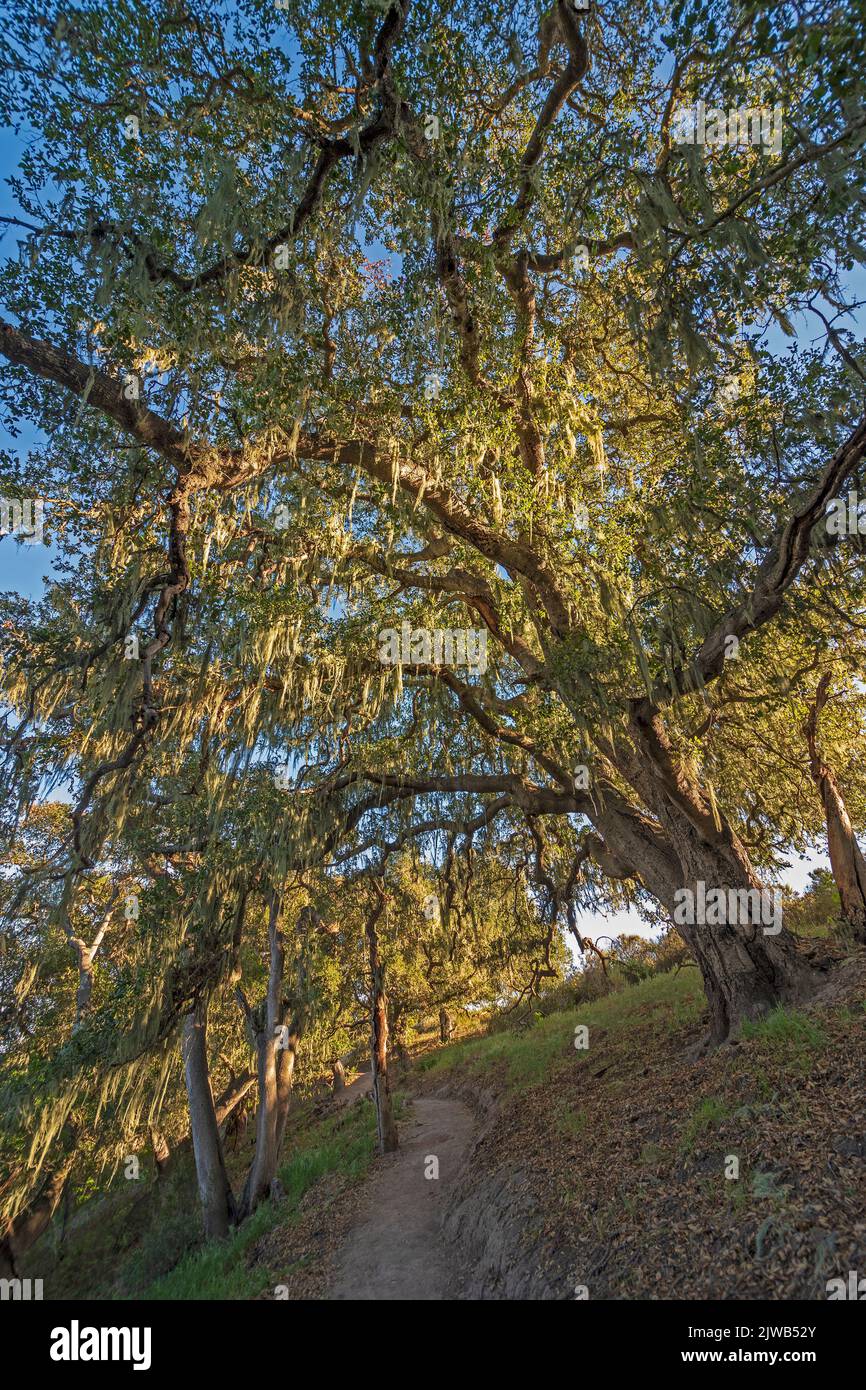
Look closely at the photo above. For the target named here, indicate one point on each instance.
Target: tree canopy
(435, 506)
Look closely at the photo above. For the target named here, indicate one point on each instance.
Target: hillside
(577, 1175)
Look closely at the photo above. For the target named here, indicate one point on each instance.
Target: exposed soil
(397, 1250)
(615, 1175)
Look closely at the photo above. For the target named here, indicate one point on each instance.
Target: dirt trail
(396, 1251)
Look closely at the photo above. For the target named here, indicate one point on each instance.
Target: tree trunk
(748, 966)
(217, 1202)
(446, 1026)
(264, 1165)
(276, 1046)
(339, 1076)
(686, 844)
(385, 1124)
(160, 1148)
(309, 921)
(846, 859)
(286, 1061)
(238, 1087)
(84, 991)
(266, 1027)
(26, 1228)
(85, 956)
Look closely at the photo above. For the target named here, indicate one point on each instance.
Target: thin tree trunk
(265, 1025)
(846, 859)
(84, 958)
(339, 1076)
(264, 1164)
(26, 1228)
(286, 1060)
(238, 1087)
(161, 1152)
(309, 921)
(217, 1202)
(276, 1049)
(386, 1126)
(224, 1106)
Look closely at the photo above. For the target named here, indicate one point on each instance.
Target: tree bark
(385, 1124)
(681, 841)
(265, 1026)
(276, 1046)
(286, 1061)
(339, 1076)
(84, 958)
(238, 1087)
(846, 859)
(746, 970)
(217, 1202)
(161, 1152)
(446, 1026)
(26, 1228)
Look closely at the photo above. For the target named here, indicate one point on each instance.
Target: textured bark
(683, 841)
(746, 970)
(846, 859)
(161, 1152)
(265, 1025)
(446, 1026)
(231, 1097)
(339, 1076)
(635, 846)
(276, 1044)
(26, 1228)
(217, 1202)
(385, 1124)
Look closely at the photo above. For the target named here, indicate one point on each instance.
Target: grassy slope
(623, 1147)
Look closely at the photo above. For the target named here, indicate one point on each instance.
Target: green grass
(571, 1123)
(790, 1037)
(707, 1115)
(528, 1057)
